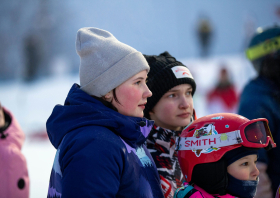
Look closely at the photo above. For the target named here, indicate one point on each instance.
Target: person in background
(204, 33)
(99, 132)
(218, 154)
(13, 166)
(171, 107)
(261, 98)
(223, 97)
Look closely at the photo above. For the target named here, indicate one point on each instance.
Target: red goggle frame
(256, 134)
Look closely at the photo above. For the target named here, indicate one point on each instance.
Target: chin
(183, 122)
(139, 115)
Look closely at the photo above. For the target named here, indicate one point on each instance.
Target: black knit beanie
(235, 154)
(165, 73)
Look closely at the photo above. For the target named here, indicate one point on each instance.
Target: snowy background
(149, 26)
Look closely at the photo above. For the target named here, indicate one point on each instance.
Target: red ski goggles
(256, 134)
(253, 134)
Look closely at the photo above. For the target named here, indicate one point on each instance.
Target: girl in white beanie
(99, 132)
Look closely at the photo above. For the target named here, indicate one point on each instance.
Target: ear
(109, 96)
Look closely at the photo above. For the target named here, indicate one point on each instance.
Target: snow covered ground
(32, 103)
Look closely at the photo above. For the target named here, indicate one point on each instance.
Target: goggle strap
(263, 48)
(209, 141)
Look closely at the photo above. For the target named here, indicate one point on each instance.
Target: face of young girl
(132, 95)
(175, 108)
(244, 168)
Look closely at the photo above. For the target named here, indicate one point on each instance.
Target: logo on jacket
(141, 154)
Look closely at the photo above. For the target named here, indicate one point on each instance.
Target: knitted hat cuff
(166, 80)
(111, 79)
(236, 154)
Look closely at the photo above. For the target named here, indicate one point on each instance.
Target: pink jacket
(200, 193)
(13, 167)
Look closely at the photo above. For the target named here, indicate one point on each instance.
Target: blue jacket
(261, 99)
(100, 152)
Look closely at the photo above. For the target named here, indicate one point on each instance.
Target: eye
(245, 164)
(189, 93)
(138, 82)
(171, 96)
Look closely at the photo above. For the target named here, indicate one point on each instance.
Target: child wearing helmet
(171, 107)
(218, 153)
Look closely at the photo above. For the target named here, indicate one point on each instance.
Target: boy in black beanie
(171, 107)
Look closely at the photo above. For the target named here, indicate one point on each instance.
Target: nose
(184, 104)
(147, 93)
(255, 172)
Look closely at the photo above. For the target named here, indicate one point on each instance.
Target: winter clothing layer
(161, 145)
(261, 99)
(13, 171)
(165, 73)
(235, 154)
(105, 62)
(189, 191)
(242, 188)
(278, 193)
(100, 152)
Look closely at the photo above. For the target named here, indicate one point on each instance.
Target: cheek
(169, 108)
(243, 175)
(191, 103)
(129, 97)
(165, 110)
(240, 173)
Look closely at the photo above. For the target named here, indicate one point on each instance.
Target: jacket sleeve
(91, 168)
(13, 172)
(187, 192)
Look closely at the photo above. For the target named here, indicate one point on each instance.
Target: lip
(184, 115)
(142, 105)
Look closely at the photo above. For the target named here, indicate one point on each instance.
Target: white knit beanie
(105, 62)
